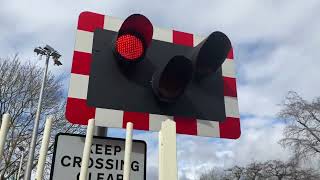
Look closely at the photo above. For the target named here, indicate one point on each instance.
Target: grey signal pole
(48, 52)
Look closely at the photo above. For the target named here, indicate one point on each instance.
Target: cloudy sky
(276, 47)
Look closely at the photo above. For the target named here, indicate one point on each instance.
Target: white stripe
(109, 118)
(232, 108)
(112, 23)
(155, 121)
(197, 40)
(84, 41)
(78, 86)
(228, 68)
(208, 128)
(162, 34)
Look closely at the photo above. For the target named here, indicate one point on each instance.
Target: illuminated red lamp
(129, 47)
(133, 39)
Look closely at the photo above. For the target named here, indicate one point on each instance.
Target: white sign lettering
(106, 159)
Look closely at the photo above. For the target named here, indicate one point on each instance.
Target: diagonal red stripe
(81, 63)
(78, 112)
(89, 21)
(140, 120)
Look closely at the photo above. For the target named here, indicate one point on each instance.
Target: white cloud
(291, 65)
(282, 37)
(258, 142)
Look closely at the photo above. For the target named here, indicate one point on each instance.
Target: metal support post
(5, 125)
(168, 151)
(127, 152)
(87, 150)
(44, 148)
(32, 147)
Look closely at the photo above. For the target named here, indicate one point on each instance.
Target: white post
(160, 157)
(127, 152)
(44, 148)
(20, 165)
(87, 150)
(3, 132)
(168, 151)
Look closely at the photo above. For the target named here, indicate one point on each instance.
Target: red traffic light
(134, 37)
(129, 47)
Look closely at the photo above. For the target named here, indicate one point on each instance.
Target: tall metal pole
(32, 147)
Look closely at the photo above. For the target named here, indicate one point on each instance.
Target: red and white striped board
(78, 112)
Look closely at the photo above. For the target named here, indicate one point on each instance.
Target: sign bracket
(168, 151)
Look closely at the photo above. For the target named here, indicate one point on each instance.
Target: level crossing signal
(135, 72)
(132, 72)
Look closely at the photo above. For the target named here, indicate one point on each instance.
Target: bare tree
(214, 174)
(19, 93)
(269, 170)
(279, 170)
(236, 172)
(254, 171)
(302, 132)
(305, 174)
(251, 172)
(210, 175)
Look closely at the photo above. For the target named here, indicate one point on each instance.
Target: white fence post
(160, 172)
(6, 120)
(44, 148)
(127, 152)
(20, 166)
(168, 151)
(87, 150)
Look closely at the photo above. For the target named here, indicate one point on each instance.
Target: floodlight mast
(48, 51)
